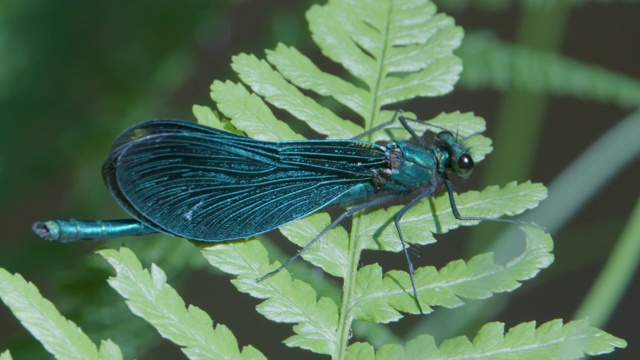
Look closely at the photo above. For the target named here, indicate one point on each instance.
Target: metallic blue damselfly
(192, 181)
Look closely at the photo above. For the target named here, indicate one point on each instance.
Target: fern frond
(287, 300)
(495, 64)
(379, 299)
(393, 51)
(61, 337)
(151, 298)
(551, 340)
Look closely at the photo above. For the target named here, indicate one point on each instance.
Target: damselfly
(192, 181)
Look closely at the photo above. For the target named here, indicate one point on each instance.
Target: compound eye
(464, 166)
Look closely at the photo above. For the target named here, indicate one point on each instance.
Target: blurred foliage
(74, 74)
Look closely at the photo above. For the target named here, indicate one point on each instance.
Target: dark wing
(210, 185)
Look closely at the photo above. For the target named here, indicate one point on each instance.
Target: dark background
(74, 74)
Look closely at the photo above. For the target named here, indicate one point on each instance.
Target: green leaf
(300, 71)
(109, 350)
(150, 297)
(434, 215)
(287, 300)
(206, 116)
(61, 337)
(249, 113)
(263, 80)
(383, 44)
(360, 351)
(551, 340)
(331, 252)
(249, 261)
(492, 63)
(422, 347)
(398, 50)
(379, 299)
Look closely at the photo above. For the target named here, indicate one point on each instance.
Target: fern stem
(348, 289)
(375, 104)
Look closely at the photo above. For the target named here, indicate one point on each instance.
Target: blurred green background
(74, 74)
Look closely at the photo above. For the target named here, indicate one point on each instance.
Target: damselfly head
(460, 162)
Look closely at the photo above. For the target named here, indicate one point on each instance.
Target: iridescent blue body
(204, 184)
